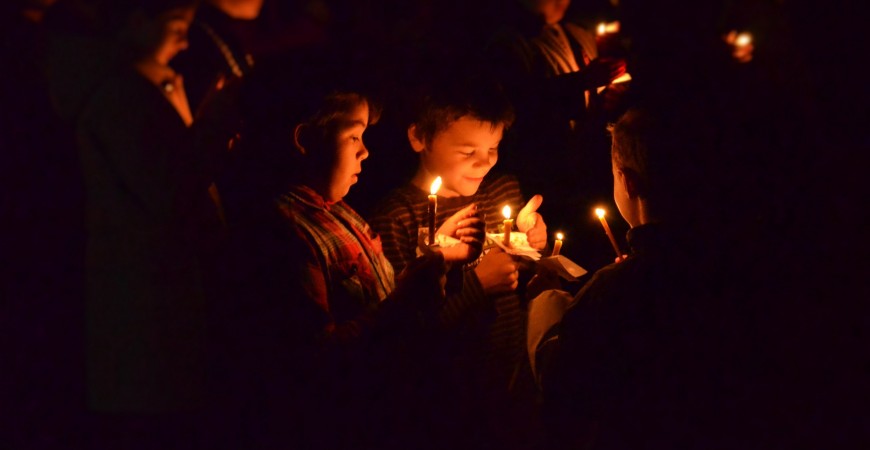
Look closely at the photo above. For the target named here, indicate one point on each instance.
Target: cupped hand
(467, 226)
(497, 272)
(602, 71)
(531, 222)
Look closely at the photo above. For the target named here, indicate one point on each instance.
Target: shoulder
(501, 187)
(397, 202)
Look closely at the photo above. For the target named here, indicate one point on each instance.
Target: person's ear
(631, 182)
(415, 139)
(301, 138)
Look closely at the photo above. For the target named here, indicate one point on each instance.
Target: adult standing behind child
(149, 218)
(456, 133)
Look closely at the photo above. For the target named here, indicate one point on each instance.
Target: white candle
(600, 213)
(508, 224)
(433, 208)
(558, 245)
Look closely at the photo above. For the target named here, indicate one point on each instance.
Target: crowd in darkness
(155, 155)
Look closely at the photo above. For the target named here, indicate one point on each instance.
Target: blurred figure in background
(149, 217)
(552, 70)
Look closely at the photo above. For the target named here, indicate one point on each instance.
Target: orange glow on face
(435, 186)
(506, 212)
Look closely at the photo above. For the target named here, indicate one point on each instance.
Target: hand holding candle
(600, 213)
(557, 246)
(508, 224)
(433, 208)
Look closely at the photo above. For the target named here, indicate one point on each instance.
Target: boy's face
(624, 202)
(344, 151)
(461, 154)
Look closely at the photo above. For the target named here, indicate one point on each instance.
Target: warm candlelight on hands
(558, 245)
(600, 213)
(433, 206)
(508, 224)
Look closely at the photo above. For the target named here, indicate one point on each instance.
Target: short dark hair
(672, 150)
(446, 101)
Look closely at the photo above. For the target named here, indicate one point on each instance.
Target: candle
(743, 39)
(600, 213)
(433, 207)
(508, 224)
(602, 28)
(558, 245)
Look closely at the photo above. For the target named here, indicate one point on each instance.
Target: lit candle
(558, 245)
(508, 224)
(602, 28)
(600, 213)
(743, 39)
(433, 207)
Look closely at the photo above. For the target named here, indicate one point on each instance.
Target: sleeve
(393, 223)
(470, 298)
(578, 374)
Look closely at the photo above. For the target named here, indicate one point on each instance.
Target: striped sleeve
(394, 222)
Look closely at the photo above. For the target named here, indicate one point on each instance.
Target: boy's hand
(497, 272)
(529, 221)
(469, 228)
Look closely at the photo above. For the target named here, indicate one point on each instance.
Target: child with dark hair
(638, 355)
(324, 318)
(456, 132)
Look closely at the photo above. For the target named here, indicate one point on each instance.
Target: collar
(309, 197)
(647, 237)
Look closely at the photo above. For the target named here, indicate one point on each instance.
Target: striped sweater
(397, 219)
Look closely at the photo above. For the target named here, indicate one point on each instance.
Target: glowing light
(602, 28)
(506, 212)
(743, 39)
(600, 212)
(560, 236)
(435, 186)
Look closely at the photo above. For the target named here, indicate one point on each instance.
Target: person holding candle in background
(561, 86)
(632, 347)
(456, 132)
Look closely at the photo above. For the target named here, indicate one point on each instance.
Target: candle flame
(602, 28)
(559, 236)
(743, 39)
(600, 212)
(506, 212)
(435, 186)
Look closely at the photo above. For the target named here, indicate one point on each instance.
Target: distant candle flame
(506, 212)
(559, 236)
(743, 39)
(600, 213)
(435, 186)
(607, 28)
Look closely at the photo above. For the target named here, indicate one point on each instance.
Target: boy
(322, 297)
(634, 354)
(456, 134)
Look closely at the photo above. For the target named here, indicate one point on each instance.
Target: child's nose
(363, 153)
(484, 159)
